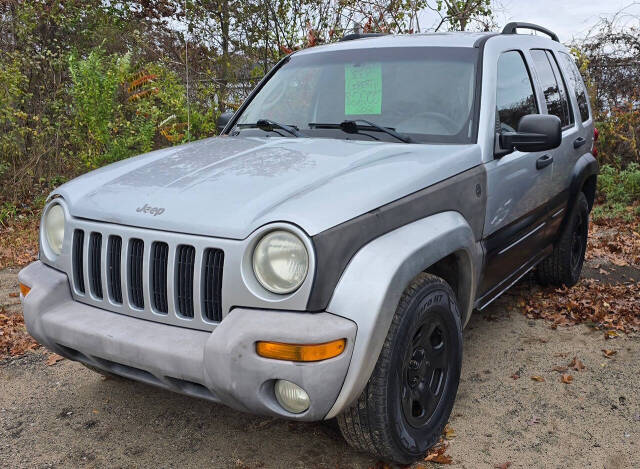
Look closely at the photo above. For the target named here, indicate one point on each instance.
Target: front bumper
(221, 365)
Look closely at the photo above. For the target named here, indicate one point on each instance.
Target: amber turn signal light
(301, 353)
(24, 290)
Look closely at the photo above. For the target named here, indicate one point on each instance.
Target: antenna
(186, 65)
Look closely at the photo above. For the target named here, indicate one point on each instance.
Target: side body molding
(371, 286)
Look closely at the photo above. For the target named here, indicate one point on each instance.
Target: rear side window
(555, 91)
(573, 75)
(514, 97)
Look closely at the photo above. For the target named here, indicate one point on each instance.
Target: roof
(444, 39)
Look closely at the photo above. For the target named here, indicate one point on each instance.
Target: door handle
(544, 161)
(578, 142)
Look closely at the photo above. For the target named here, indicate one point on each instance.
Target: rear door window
(555, 91)
(573, 76)
(514, 96)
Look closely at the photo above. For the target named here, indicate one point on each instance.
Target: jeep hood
(229, 186)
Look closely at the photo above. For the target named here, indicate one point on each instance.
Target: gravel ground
(67, 416)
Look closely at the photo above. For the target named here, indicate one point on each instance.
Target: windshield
(427, 93)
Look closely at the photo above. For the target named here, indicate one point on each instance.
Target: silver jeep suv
(320, 258)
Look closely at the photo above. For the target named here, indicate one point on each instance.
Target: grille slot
(136, 292)
(95, 264)
(78, 261)
(212, 284)
(114, 268)
(184, 279)
(159, 261)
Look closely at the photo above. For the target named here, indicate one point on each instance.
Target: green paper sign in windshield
(363, 89)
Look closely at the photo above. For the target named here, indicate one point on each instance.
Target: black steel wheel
(564, 265)
(408, 400)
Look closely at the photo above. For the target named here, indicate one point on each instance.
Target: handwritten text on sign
(363, 89)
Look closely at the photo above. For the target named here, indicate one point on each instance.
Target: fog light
(291, 397)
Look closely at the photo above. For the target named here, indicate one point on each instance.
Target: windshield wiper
(269, 125)
(352, 127)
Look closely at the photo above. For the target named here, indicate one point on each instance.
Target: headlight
(54, 228)
(280, 262)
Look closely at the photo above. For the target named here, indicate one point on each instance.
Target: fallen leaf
(560, 369)
(439, 458)
(53, 359)
(437, 453)
(566, 379)
(449, 432)
(609, 353)
(537, 378)
(576, 364)
(14, 295)
(515, 376)
(504, 465)
(611, 334)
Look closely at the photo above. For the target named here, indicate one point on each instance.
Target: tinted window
(555, 92)
(573, 75)
(425, 92)
(514, 97)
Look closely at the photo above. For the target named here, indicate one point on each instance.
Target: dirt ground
(67, 416)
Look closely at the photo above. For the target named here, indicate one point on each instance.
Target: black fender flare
(585, 167)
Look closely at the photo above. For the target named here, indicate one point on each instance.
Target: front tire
(408, 400)
(564, 265)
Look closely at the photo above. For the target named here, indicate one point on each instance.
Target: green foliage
(7, 211)
(620, 185)
(619, 192)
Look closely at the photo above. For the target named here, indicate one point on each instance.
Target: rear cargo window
(555, 91)
(573, 75)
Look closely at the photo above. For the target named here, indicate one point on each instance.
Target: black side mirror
(223, 120)
(536, 132)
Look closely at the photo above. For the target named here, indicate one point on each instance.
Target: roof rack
(351, 37)
(512, 27)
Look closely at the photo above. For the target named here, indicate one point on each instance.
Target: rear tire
(564, 265)
(408, 400)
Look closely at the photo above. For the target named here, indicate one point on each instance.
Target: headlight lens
(54, 228)
(280, 262)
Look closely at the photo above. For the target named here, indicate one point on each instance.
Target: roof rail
(512, 27)
(351, 37)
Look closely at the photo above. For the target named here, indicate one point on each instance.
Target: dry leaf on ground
(576, 364)
(566, 379)
(437, 453)
(609, 353)
(53, 359)
(449, 432)
(538, 378)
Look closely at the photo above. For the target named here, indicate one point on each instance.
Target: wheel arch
(371, 286)
(584, 179)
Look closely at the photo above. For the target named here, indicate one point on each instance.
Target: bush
(620, 186)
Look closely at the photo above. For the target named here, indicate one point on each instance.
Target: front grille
(155, 276)
(184, 279)
(95, 264)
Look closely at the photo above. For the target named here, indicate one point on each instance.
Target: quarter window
(573, 75)
(514, 97)
(555, 91)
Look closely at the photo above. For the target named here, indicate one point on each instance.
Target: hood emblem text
(155, 211)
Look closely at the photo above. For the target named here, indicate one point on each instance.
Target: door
(574, 142)
(519, 188)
